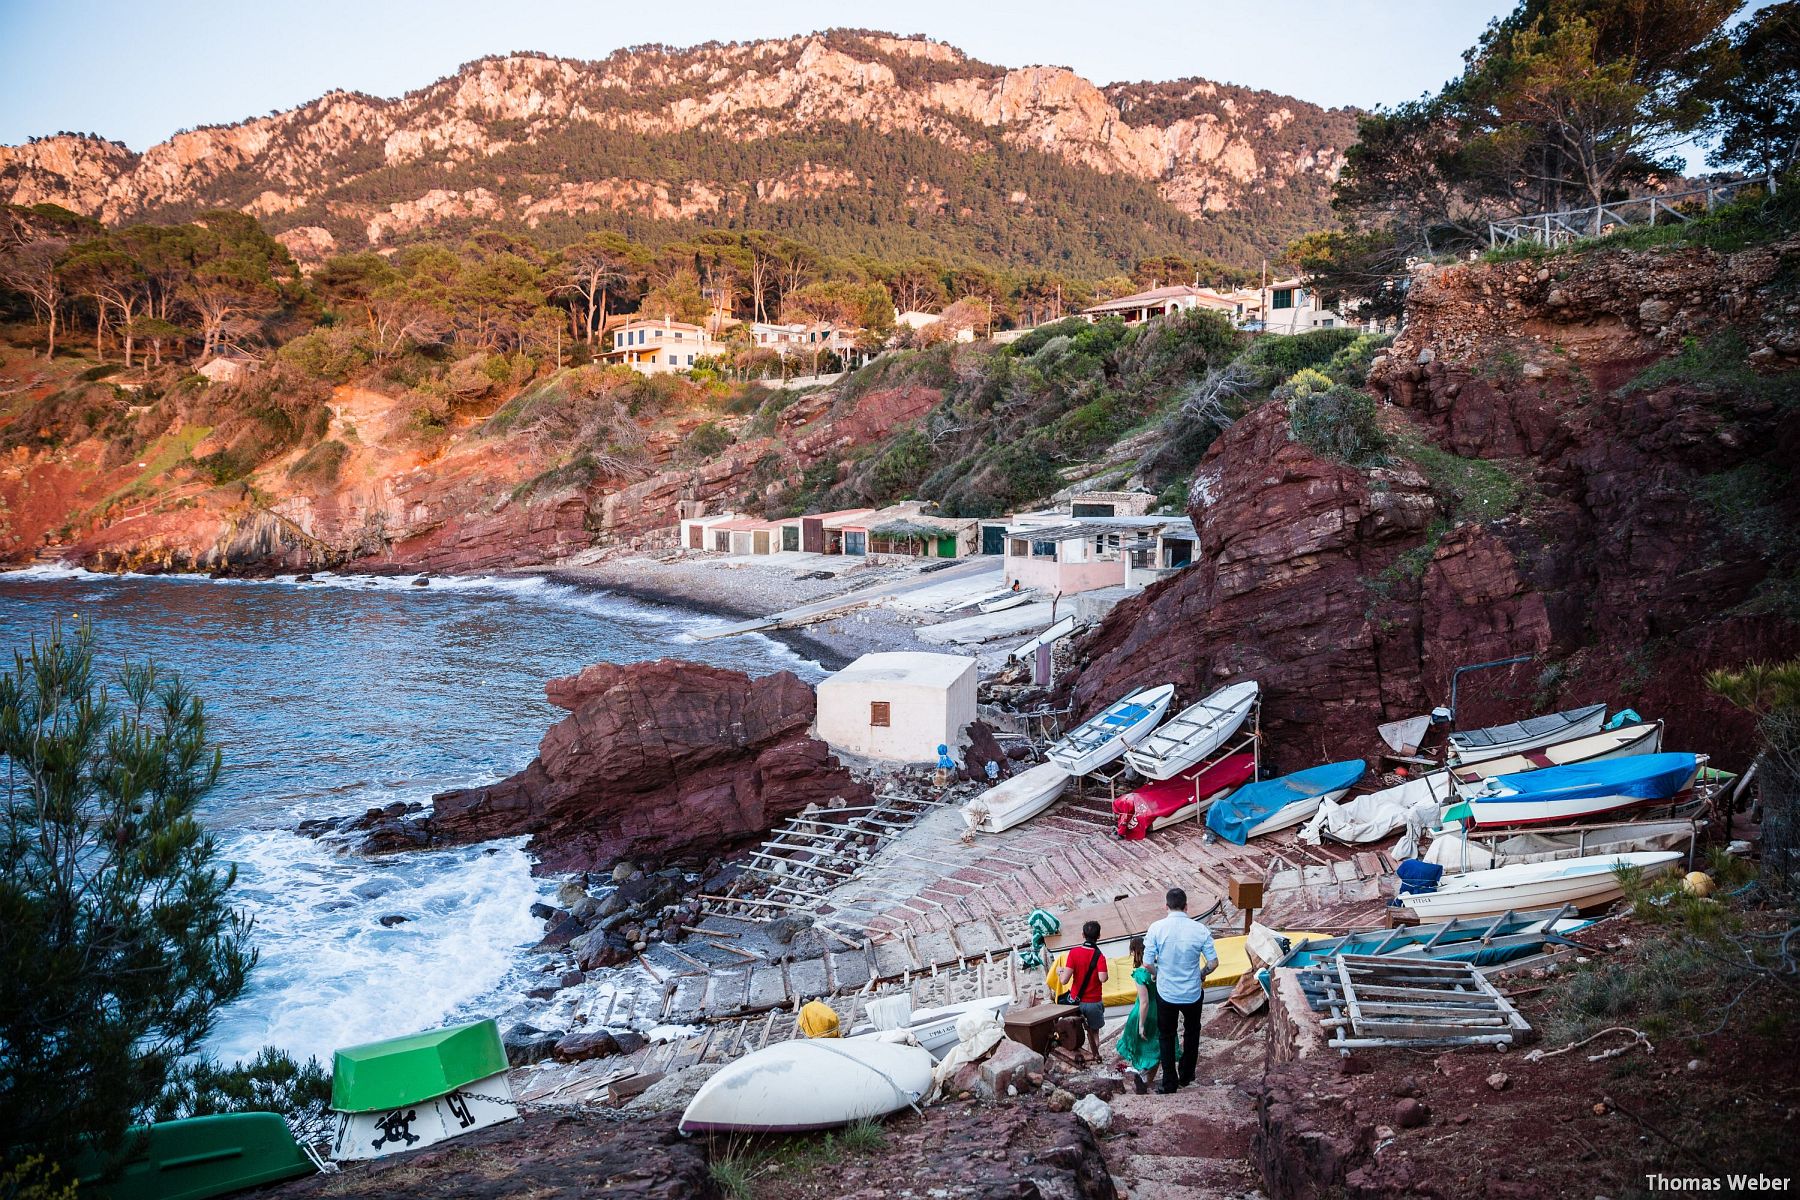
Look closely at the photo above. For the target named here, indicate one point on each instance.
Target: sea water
(332, 697)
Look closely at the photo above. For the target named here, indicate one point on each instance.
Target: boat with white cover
(1371, 818)
(1585, 882)
(1497, 741)
(1106, 735)
(1016, 800)
(810, 1083)
(1193, 734)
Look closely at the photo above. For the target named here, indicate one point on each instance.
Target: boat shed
(897, 706)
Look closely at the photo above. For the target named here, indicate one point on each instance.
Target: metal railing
(1555, 229)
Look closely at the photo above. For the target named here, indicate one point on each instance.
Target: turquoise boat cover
(1233, 817)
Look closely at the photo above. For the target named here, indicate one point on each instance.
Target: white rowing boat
(1454, 851)
(1585, 882)
(1016, 800)
(810, 1083)
(1623, 742)
(1193, 733)
(1106, 735)
(1006, 600)
(1497, 741)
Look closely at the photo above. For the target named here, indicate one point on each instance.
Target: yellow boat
(1234, 964)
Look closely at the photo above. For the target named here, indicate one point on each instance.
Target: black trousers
(1178, 1071)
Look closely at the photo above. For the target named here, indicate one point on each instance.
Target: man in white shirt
(1174, 949)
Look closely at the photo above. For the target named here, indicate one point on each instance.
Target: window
(1017, 547)
(690, 360)
(1042, 549)
(1284, 298)
(879, 713)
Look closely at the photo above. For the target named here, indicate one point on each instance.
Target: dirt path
(1194, 1145)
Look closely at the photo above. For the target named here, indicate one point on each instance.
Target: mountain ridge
(785, 133)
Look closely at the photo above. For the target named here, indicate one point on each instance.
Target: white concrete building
(900, 706)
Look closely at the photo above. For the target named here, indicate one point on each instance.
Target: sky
(138, 72)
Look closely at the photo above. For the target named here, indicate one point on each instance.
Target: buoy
(1698, 883)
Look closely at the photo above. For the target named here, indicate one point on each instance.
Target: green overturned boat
(410, 1092)
(199, 1157)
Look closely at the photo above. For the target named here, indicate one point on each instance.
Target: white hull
(1090, 746)
(1583, 882)
(1623, 742)
(1193, 734)
(1590, 721)
(414, 1126)
(1016, 800)
(1500, 811)
(1456, 854)
(1010, 600)
(811, 1083)
(1293, 814)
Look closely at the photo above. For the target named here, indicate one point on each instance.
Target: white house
(1059, 554)
(659, 347)
(899, 706)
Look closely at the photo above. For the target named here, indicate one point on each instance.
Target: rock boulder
(656, 760)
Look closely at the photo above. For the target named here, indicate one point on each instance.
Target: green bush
(320, 465)
(1278, 357)
(336, 354)
(708, 439)
(273, 1081)
(1333, 420)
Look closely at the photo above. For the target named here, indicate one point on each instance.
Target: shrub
(707, 440)
(335, 354)
(321, 464)
(1333, 420)
(273, 1081)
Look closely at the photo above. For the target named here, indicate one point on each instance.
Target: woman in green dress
(1138, 1044)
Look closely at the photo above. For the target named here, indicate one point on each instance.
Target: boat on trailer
(1015, 801)
(410, 1092)
(1557, 795)
(1497, 741)
(811, 1083)
(1193, 734)
(1167, 802)
(1587, 882)
(1106, 735)
(1275, 804)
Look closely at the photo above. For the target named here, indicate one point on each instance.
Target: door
(993, 539)
(946, 545)
(696, 537)
(812, 535)
(759, 543)
(856, 542)
(790, 537)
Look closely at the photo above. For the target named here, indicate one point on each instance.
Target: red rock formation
(1335, 590)
(657, 760)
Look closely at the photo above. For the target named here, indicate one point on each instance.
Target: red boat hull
(1162, 802)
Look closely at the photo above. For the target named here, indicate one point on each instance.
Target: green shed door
(790, 537)
(947, 545)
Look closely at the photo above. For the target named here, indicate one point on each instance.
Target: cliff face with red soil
(1632, 415)
(662, 760)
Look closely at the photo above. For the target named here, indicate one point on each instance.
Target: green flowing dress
(1141, 1053)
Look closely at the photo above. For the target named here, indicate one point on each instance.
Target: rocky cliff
(1590, 461)
(718, 134)
(663, 760)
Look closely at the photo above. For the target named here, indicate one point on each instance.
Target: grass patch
(1718, 365)
(1755, 218)
(321, 464)
(1480, 489)
(575, 474)
(741, 1163)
